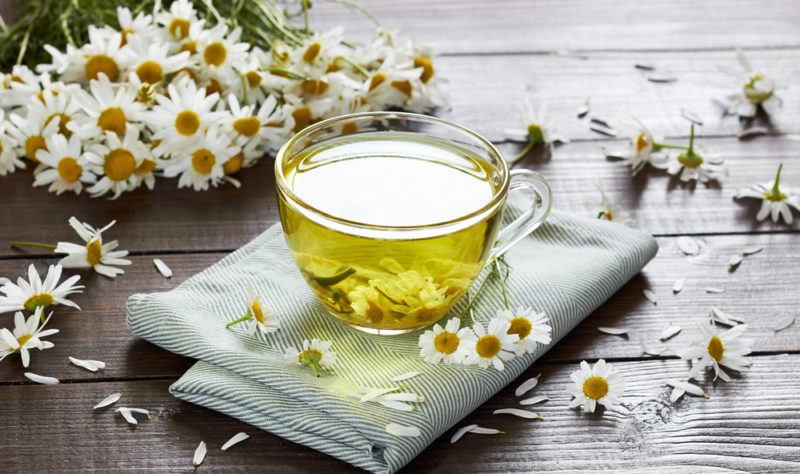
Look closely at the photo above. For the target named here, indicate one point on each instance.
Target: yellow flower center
(101, 63)
(607, 215)
(40, 299)
(145, 168)
(403, 86)
(488, 346)
(312, 52)
(119, 164)
(23, 339)
(446, 342)
(94, 252)
(520, 326)
(112, 119)
(190, 46)
(187, 122)
(302, 118)
(315, 86)
(33, 144)
(178, 28)
(234, 164)
(203, 161)
(376, 80)
(641, 142)
(253, 78)
(333, 66)
(258, 312)
(595, 387)
(427, 68)
(63, 120)
(215, 54)
(715, 348)
(150, 72)
(247, 126)
(69, 169)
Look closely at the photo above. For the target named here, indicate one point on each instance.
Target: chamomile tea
(347, 191)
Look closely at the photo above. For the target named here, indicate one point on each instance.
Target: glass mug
(390, 216)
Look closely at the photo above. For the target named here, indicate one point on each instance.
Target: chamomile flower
(314, 52)
(31, 132)
(18, 86)
(115, 161)
(151, 60)
(257, 315)
(535, 129)
(62, 109)
(201, 163)
(389, 85)
(689, 165)
(305, 113)
(140, 25)
(531, 327)
(450, 344)
(493, 345)
(101, 54)
(178, 19)
(599, 384)
(250, 89)
(36, 293)
(108, 110)
(263, 124)
(757, 90)
(775, 203)
(220, 52)
(642, 147)
(608, 211)
(726, 349)
(94, 254)
(183, 116)
(27, 335)
(9, 159)
(314, 354)
(63, 165)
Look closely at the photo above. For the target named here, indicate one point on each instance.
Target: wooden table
(492, 53)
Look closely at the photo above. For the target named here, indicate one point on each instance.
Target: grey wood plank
(749, 425)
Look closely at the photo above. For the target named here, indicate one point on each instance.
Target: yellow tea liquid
(398, 280)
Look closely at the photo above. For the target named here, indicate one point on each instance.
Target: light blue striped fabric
(567, 268)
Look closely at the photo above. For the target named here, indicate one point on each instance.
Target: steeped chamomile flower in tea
(396, 182)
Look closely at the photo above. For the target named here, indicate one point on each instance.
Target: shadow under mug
(392, 279)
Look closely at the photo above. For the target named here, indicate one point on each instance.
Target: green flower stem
(690, 150)
(496, 269)
(246, 317)
(281, 71)
(19, 244)
(356, 67)
(522, 153)
(776, 190)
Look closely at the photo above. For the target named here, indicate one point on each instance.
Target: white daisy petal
(678, 285)
(377, 392)
(533, 400)
(613, 331)
(461, 432)
(395, 405)
(688, 245)
(651, 297)
(670, 332)
(734, 261)
(485, 431)
(109, 400)
(199, 454)
(527, 386)
(405, 376)
(162, 268)
(235, 439)
(784, 323)
(404, 431)
(714, 290)
(518, 412)
(92, 365)
(44, 380)
(687, 387)
(751, 250)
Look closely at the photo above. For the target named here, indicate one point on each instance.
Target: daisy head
(449, 344)
(642, 146)
(107, 109)
(27, 335)
(63, 165)
(151, 60)
(757, 90)
(305, 113)
(261, 124)
(63, 110)
(608, 211)
(776, 203)
(535, 129)
(182, 116)
(18, 86)
(262, 321)
(493, 345)
(389, 85)
(177, 21)
(314, 354)
(33, 293)
(314, 53)
(32, 131)
(9, 159)
(115, 160)
(141, 25)
(717, 350)
(600, 383)
(220, 53)
(93, 253)
(531, 327)
(690, 164)
(101, 54)
(201, 163)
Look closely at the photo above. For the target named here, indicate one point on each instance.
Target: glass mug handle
(532, 218)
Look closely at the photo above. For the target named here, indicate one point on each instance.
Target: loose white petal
(376, 392)
(676, 394)
(721, 317)
(41, 379)
(784, 323)
(518, 412)
(400, 430)
(661, 79)
(687, 387)
(162, 268)
(404, 397)
(714, 289)
(140, 410)
(486, 431)
(236, 439)
(751, 250)
(670, 332)
(651, 297)
(461, 432)
(656, 350)
(126, 413)
(678, 285)
(109, 400)
(527, 386)
(613, 331)
(752, 131)
(691, 116)
(93, 365)
(405, 376)
(734, 261)
(199, 454)
(533, 400)
(688, 245)
(394, 405)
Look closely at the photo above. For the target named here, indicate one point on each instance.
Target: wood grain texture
(750, 425)
(470, 26)
(99, 331)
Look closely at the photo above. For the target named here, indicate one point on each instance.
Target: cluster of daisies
(170, 95)
(687, 162)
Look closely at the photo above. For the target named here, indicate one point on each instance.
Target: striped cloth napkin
(567, 268)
